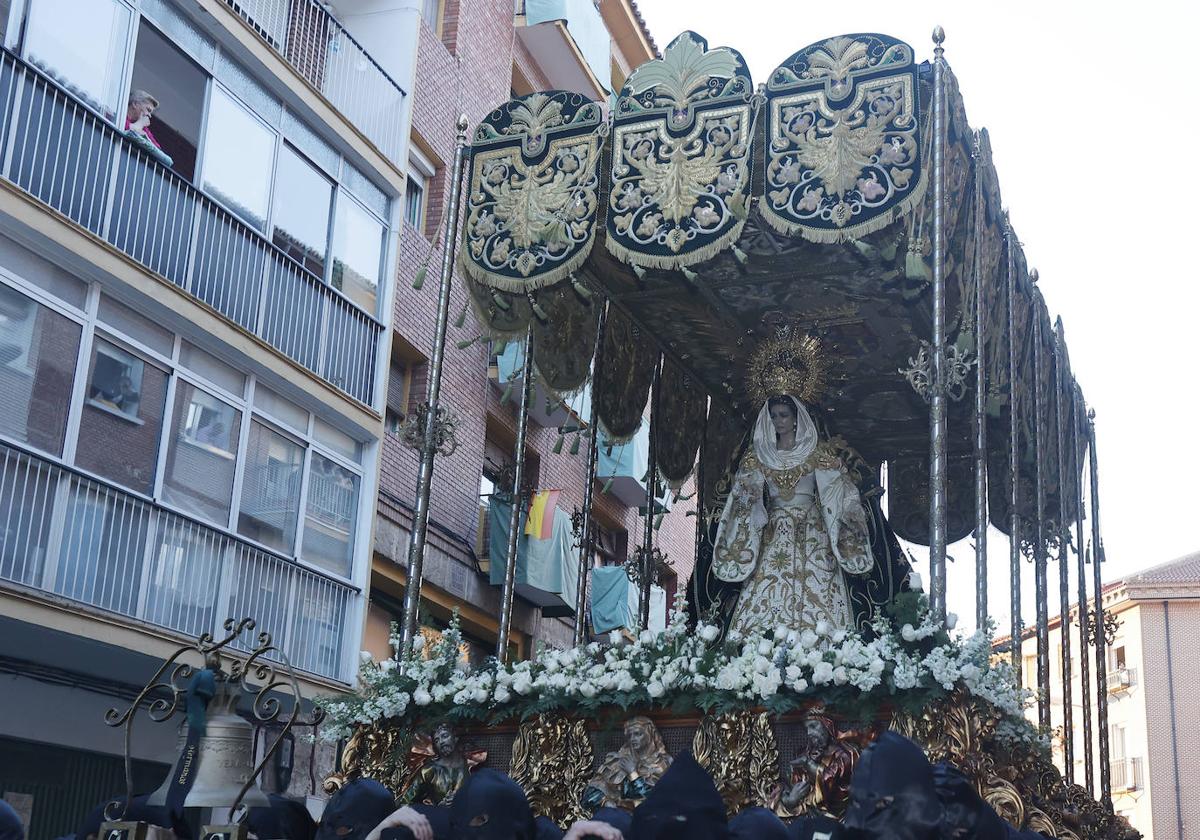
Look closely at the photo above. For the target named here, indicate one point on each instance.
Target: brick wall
(469, 70)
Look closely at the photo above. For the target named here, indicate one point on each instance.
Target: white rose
(781, 633)
(501, 694)
(479, 695)
(733, 637)
(822, 673)
(421, 697)
(655, 689)
(522, 684)
(907, 631)
(587, 690)
(614, 638)
(915, 583)
(951, 621)
(418, 642)
(840, 677)
(800, 686)
(708, 632)
(365, 656)
(822, 628)
(388, 665)
(646, 637)
(764, 647)
(793, 673)
(808, 638)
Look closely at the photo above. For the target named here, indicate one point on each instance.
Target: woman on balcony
(137, 125)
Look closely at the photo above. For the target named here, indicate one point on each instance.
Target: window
(397, 394)
(271, 489)
(239, 157)
(122, 417)
(357, 253)
(82, 46)
(38, 348)
(303, 197)
(431, 11)
(162, 74)
(330, 515)
(201, 454)
(185, 577)
(610, 546)
(414, 200)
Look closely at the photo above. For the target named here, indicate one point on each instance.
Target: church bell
(222, 759)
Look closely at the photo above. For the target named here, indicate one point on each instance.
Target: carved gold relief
(738, 750)
(552, 760)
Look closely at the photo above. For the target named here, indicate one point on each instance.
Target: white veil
(765, 448)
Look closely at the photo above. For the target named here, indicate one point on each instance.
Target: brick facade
(469, 69)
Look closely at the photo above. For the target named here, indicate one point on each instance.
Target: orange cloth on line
(540, 522)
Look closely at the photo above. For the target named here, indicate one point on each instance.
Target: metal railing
(1121, 679)
(331, 501)
(69, 157)
(328, 57)
(1126, 773)
(70, 535)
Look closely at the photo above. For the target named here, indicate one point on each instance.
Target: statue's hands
(413, 820)
(628, 765)
(593, 828)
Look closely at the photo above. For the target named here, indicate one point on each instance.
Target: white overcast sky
(1093, 114)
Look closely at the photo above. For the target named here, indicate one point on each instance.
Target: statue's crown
(789, 362)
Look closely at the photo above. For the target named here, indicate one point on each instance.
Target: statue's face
(783, 418)
(815, 731)
(444, 741)
(638, 738)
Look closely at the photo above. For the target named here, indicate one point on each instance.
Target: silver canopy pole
(587, 537)
(429, 443)
(1084, 668)
(648, 565)
(937, 402)
(1099, 629)
(514, 519)
(1014, 456)
(1040, 584)
(981, 497)
(1064, 544)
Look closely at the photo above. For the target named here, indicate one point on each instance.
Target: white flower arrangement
(780, 670)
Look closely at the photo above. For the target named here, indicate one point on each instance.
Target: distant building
(1151, 696)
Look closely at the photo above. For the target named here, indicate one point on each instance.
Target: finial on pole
(1091, 415)
(463, 124)
(939, 35)
(1033, 276)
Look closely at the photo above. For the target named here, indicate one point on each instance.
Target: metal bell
(224, 758)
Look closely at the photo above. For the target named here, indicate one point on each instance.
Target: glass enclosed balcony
(71, 536)
(62, 152)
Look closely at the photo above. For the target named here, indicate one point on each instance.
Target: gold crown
(788, 363)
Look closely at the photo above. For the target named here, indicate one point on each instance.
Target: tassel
(639, 271)
(463, 345)
(575, 446)
(538, 311)
(500, 302)
(504, 398)
(581, 290)
(607, 485)
(688, 273)
(499, 347)
(740, 255)
(658, 521)
(558, 444)
(462, 318)
(419, 280)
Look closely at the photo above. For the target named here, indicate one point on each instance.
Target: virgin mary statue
(796, 543)
(793, 528)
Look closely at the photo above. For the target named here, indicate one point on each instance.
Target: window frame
(91, 329)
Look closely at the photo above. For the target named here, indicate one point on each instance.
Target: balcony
(327, 57)
(1126, 774)
(66, 534)
(68, 157)
(569, 41)
(1121, 679)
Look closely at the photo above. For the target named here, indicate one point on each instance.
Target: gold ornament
(790, 362)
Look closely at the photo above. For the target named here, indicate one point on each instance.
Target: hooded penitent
(285, 818)
(355, 810)
(965, 816)
(892, 795)
(684, 804)
(491, 806)
(757, 824)
(816, 827)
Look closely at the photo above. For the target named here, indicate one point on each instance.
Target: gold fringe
(674, 261)
(531, 283)
(611, 439)
(822, 236)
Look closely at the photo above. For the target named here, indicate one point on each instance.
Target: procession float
(793, 284)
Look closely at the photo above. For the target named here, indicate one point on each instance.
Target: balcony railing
(67, 156)
(1126, 773)
(1121, 679)
(69, 535)
(324, 53)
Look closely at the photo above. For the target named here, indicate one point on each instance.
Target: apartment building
(1153, 729)
(194, 346)
(472, 57)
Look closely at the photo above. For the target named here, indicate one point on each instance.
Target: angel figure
(627, 775)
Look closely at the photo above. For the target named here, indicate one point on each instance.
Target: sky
(1093, 115)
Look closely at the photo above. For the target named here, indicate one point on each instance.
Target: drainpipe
(1171, 705)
